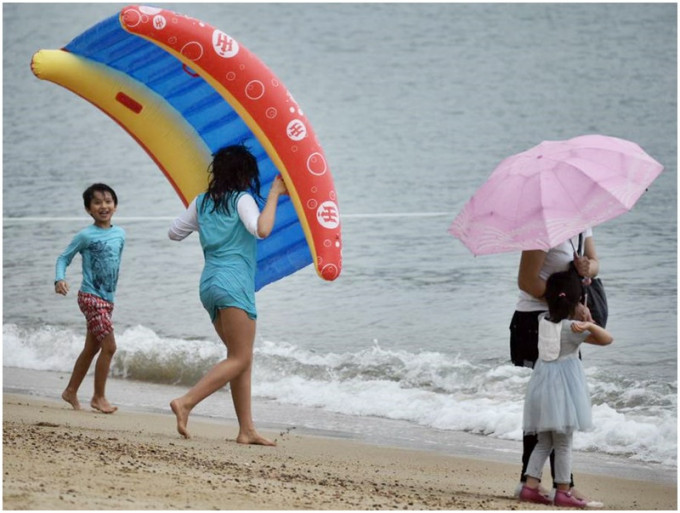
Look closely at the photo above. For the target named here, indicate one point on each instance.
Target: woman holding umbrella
(538, 201)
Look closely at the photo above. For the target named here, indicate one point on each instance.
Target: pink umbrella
(541, 197)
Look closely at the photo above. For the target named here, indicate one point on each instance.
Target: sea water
(415, 104)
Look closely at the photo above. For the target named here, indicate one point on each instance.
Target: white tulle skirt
(557, 397)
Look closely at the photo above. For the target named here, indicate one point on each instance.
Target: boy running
(100, 246)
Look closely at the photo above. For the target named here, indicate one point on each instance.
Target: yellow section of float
(165, 135)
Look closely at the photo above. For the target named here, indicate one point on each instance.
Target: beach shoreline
(144, 397)
(57, 458)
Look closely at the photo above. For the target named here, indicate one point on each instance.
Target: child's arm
(63, 261)
(582, 313)
(61, 287)
(598, 335)
(185, 224)
(265, 222)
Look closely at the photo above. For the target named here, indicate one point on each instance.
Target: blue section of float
(217, 123)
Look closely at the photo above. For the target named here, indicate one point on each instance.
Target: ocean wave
(636, 419)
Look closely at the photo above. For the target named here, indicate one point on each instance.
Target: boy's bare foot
(182, 415)
(71, 398)
(102, 405)
(253, 438)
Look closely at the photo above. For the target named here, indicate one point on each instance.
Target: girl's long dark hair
(232, 170)
(563, 293)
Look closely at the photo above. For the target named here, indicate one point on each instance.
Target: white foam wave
(449, 393)
(46, 348)
(444, 392)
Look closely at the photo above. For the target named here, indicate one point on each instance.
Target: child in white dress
(557, 400)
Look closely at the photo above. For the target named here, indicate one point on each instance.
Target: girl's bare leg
(80, 368)
(240, 394)
(235, 325)
(101, 373)
(216, 378)
(237, 331)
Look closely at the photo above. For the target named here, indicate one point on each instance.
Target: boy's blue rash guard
(101, 250)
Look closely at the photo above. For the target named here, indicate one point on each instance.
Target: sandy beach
(57, 458)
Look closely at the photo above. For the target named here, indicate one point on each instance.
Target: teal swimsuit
(230, 251)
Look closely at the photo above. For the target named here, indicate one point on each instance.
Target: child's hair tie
(561, 294)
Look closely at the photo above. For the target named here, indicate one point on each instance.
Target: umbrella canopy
(541, 197)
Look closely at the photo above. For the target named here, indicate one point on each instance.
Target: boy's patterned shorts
(97, 314)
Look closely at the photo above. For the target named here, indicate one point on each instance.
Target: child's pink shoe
(567, 500)
(533, 495)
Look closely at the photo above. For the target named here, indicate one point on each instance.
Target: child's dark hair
(563, 293)
(88, 195)
(233, 169)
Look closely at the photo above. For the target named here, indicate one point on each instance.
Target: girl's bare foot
(182, 415)
(253, 438)
(101, 404)
(71, 398)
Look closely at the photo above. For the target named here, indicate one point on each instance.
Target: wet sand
(58, 458)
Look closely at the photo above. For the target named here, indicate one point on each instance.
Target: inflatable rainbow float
(183, 89)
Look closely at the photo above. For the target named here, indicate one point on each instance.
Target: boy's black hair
(88, 195)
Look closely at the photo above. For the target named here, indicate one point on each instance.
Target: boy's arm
(63, 261)
(61, 287)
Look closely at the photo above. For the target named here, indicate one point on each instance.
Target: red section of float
(268, 109)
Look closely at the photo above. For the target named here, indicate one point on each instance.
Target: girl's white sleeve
(249, 213)
(186, 223)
